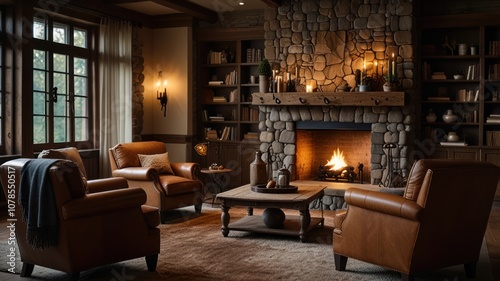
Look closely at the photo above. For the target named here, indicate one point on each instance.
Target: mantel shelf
(330, 98)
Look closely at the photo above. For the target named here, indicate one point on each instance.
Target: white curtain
(115, 87)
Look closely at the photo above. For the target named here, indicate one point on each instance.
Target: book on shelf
(205, 115)
(472, 72)
(494, 48)
(214, 57)
(232, 95)
(254, 55)
(226, 133)
(493, 138)
(453, 143)
(494, 71)
(254, 136)
(493, 118)
(218, 82)
(467, 95)
(219, 99)
(211, 134)
(438, 75)
(438, 98)
(231, 78)
(216, 118)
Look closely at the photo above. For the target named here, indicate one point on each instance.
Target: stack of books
(211, 134)
(251, 136)
(215, 83)
(493, 119)
(216, 118)
(453, 143)
(219, 99)
(226, 133)
(438, 75)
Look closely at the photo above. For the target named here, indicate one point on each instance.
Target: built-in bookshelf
(227, 79)
(460, 63)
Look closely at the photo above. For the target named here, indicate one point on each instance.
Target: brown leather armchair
(439, 222)
(93, 229)
(71, 153)
(164, 191)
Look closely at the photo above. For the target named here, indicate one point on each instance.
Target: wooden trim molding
(331, 98)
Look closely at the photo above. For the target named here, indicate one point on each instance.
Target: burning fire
(337, 161)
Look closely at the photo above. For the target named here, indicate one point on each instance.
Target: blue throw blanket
(36, 198)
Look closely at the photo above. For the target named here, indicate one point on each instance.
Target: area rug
(193, 248)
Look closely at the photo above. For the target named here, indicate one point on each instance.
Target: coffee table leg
(225, 217)
(305, 221)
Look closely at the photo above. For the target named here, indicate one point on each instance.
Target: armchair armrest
(100, 185)
(386, 203)
(137, 173)
(185, 169)
(103, 202)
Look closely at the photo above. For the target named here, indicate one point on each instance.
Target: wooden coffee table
(293, 225)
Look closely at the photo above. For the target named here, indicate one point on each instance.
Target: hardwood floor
(492, 240)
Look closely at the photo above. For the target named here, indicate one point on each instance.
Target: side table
(217, 181)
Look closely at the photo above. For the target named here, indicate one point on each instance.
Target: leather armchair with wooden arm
(164, 191)
(93, 229)
(439, 222)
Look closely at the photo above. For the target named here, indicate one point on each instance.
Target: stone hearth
(388, 125)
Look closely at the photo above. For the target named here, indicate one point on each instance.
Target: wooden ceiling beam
(272, 3)
(189, 8)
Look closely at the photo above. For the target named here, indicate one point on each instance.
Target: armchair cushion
(125, 154)
(174, 185)
(160, 162)
(69, 153)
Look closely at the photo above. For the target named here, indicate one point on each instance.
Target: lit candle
(158, 89)
(376, 67)
(393, 65)
(309, 88)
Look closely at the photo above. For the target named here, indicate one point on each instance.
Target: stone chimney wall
(325, 42)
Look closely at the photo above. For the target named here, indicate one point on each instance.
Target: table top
(305, 192)
(208, 171)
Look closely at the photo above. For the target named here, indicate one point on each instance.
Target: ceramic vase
(452, 136)
(431, 117)
(263, 84)
(258, 171)
(449, 116)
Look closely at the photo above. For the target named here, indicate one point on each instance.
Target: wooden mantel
(331, 98)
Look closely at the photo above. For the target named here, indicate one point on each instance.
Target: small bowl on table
(458, 77)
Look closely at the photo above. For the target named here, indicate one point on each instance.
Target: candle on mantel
(376, 67)
(309, 88)
(393, 66)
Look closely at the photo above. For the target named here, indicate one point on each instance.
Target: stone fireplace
(317, 146)
(325, 44)
(278, 133)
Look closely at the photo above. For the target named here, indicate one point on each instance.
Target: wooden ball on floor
(273, 217)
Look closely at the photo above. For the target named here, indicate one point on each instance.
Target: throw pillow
(159, 162)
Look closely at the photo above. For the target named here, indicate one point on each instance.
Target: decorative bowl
(458, 77)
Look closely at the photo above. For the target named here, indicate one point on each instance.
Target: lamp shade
(201, 148)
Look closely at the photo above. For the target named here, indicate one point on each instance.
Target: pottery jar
(452, 136)
(462, 49)
(258, 171)
(431, 117)
(449, 116)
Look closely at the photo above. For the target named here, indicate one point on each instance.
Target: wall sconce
(162, 95)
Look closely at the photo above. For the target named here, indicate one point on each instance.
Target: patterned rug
(193, 248)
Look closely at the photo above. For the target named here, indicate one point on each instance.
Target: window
(61, 78)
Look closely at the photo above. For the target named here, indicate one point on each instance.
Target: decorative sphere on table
(273, 217)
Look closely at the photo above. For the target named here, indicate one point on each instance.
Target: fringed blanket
(36, 198)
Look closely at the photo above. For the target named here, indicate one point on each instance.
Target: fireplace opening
(315, 148)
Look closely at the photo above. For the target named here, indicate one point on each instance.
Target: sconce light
(201, 148)
(162, 95)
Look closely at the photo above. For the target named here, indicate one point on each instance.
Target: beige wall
(168, 50)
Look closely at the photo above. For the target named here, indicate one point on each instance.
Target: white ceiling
(153, 9)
